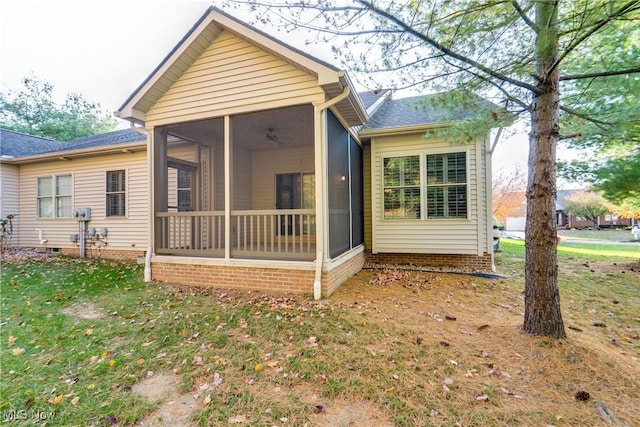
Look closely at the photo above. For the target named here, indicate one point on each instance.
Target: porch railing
(257, 234)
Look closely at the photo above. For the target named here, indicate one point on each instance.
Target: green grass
(571, 249)
(82, 370)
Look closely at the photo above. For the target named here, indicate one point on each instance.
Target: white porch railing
(257, 234)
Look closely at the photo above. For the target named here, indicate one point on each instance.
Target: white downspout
(319, 138)
(147, 258)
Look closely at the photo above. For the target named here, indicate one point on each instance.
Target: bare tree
(509, 51)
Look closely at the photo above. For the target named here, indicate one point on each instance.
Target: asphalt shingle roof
(110, 138)
(370, 97)
(420, 110)
(17, 144)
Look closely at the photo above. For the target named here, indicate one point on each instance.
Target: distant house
(567, 220)
(254, 165)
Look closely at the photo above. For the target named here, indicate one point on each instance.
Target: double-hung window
(185, 184)
(402, 187)
(446, 185)
(54, 196)
(116, 193)
(425, 186)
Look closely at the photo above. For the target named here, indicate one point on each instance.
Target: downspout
(319, 137)
(147, 258)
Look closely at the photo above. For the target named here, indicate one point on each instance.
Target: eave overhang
(67, 155)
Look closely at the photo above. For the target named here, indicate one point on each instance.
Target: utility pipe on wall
(319, 138)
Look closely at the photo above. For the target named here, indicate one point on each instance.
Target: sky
(104, 49)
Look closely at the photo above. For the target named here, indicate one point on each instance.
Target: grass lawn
(84, 342)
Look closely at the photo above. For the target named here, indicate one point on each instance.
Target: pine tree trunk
(542, 299)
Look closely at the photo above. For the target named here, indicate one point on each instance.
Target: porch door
(294, 191)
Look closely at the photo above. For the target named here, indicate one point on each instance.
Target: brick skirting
(458, 261)
(280, 280)
(246, 278)
(119, 254)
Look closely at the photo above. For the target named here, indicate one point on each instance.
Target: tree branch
(524, 16)
(600, 74)
(630, 6)
(447, 51)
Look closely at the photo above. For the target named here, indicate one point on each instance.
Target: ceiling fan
(272, 136)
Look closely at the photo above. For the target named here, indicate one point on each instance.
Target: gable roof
(202, 34)
(16, 144)
(22, 148)
(418, 111)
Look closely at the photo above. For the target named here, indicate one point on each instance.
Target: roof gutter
(320, 134)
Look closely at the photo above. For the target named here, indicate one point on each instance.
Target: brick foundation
(278, 280)
(470, 262)
(119, 254)
(331, 280)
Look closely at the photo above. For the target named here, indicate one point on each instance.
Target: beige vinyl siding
(10, 197)
(89, 188)
(232, 76)
(437, 236)
(266, 164)
(366, 188)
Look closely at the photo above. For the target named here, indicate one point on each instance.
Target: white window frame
(55, 197)
(422, 154)
(108, 193)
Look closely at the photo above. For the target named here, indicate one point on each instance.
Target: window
(447, 185)
(54, 196)
(443, 191)
(116, 193)
(185, 182)
(402, 187)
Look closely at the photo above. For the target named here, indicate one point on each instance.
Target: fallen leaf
(482, 397)
(238, 419)
(17, 351)
(75, 400)
(319, 409)
(217, 379)
(140, 361)
(207, 400)
(258, 367)
(12, 340)
(88, 331)
(111, 420)
(112, 362)
(57, 400)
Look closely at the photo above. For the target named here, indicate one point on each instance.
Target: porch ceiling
(264, 130)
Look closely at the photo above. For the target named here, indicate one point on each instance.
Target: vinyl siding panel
(10, 196)
(366, 171)
(436, 236)
(89, 187)
(232, 76)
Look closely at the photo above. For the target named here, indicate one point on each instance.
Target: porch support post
(320, 146)
(227, 187)
(320, 170)
(159, 181)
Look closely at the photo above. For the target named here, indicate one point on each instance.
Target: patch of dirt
(85, 310)
(175, 410)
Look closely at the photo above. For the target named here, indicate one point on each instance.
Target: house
(567, 220)
(266, 170)
(44, 181)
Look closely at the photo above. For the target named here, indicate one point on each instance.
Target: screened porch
(268, 181)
